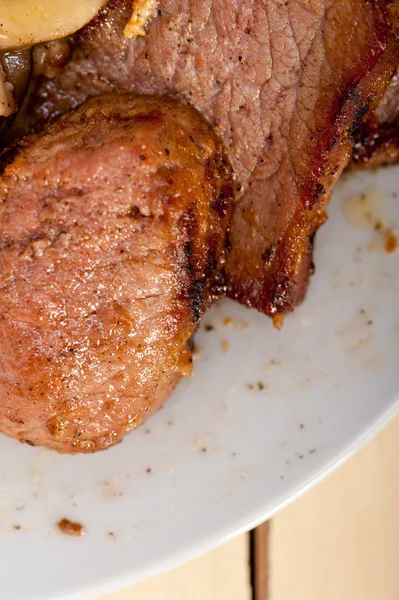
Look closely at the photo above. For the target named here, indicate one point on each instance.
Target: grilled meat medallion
(112, 231)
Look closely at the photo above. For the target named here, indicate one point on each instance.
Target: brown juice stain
(362, 343)
(111, 490)
(359, 321)
(365, 211)
(272, 364)
(372, 364)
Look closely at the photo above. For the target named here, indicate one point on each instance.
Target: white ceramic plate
(265, 415)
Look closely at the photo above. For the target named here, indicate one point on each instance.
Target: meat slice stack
(112, 228)
(285, 84)
(113, 219)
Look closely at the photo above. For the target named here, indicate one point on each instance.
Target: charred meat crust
(109, 246)
(377, 146)
(377, 139)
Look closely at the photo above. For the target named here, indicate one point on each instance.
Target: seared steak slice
(377, 141)
(285, 83)
(112, 228)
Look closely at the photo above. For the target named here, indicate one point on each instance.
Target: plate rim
(240, 526)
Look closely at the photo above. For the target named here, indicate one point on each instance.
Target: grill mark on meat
(196, 285)
(196, 294)
(212, 260)
(358, 118)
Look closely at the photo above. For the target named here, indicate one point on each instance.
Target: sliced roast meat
(112, 230)
(285, 83)
(377, 141)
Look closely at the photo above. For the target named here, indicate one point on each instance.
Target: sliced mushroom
(17, 65)
(27, 22)
(15, 72)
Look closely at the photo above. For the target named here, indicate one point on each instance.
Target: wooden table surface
(338, 542)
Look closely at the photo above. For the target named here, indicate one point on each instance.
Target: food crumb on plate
(72, 528)
(276, 362)
(272, 364)
(391, 241)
